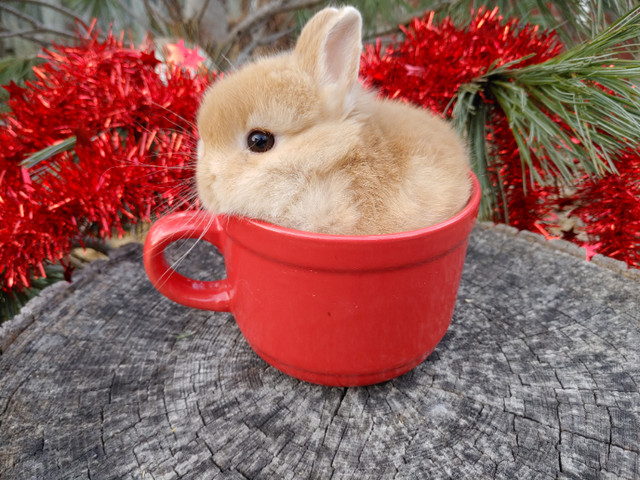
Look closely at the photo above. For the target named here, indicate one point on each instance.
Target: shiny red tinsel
(609, 207)
(134, 123)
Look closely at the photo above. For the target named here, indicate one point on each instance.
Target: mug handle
(206, 295)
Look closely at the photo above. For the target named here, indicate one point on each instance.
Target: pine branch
(470, 117)
(588, 89)
(48, 152)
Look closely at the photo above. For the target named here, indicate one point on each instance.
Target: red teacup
(336, 310)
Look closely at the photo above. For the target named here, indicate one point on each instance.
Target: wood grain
(536, 378)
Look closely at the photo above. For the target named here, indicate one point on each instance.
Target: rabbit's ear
(329, 48)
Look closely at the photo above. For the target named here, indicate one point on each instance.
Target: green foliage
(470, 115)
(577, 88)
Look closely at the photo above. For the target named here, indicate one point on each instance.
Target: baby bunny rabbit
(296, 141)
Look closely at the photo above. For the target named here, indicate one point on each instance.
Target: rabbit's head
(269, 127)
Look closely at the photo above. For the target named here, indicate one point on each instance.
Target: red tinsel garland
(134, 126)
(609, 207)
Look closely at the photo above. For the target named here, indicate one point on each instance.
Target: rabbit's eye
(260, 141)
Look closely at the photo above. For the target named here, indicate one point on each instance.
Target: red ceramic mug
(328, 309)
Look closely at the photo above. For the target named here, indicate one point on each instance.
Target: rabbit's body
(341, 161)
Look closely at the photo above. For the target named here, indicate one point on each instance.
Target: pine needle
(64, 146)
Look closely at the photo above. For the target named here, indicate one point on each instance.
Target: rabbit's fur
(343, 161)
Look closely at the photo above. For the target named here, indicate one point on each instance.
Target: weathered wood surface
(536, 378)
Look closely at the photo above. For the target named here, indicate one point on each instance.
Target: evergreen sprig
(571, 114)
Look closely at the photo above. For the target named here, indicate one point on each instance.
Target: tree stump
(537, 377)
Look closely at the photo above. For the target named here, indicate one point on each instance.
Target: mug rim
(468, 210)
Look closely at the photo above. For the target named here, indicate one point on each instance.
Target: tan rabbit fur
(342, 161)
